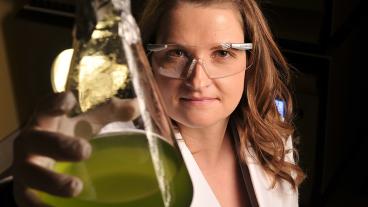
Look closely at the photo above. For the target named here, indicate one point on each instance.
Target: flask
(135, 160)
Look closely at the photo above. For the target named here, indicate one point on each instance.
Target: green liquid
(120, 173)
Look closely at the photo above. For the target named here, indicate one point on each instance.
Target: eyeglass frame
(150, 48)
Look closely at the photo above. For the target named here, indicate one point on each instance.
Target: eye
(222, 53)
(175, 53)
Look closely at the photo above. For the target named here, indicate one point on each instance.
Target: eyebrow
(221, 47)
(159, 47)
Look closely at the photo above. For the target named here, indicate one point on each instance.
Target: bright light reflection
(60, 69)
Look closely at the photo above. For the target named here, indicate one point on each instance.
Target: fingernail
(86, 149)
(80, 148)
(76, 186)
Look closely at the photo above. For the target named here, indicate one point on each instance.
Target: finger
(49, 111)
(25, 197)
(114, 110)
(56, 104)
(42, 161)
(46, 180)
(54, 145)
(125, 109)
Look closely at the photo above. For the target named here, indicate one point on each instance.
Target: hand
(39, 146)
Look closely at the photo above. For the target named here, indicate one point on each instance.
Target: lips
(198, 100)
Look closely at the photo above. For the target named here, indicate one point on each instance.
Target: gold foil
(97, 34)
(99, 69)
(108, 23)
(100, 78)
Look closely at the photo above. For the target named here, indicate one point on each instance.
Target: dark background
(323, 39)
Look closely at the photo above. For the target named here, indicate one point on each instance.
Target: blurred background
(323, 40)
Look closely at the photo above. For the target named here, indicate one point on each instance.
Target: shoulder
(283, 194)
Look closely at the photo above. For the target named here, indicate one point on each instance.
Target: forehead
(193, 24)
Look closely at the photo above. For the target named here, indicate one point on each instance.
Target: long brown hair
(260, 126)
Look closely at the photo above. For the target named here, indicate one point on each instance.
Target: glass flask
(135, 159)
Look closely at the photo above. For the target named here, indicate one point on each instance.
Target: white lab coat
(282, 195)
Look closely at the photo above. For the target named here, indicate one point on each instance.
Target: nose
(197, 77)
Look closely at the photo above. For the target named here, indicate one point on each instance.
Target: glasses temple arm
(242, 46)
(155, 47)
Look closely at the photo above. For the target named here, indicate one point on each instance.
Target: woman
(220, 97)
(226, 85)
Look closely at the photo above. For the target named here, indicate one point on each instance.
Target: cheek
(167, 89)
(161, 85)
(234, 89)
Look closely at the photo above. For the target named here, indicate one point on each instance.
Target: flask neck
(107, 8)
(122, 5)
(90, 12)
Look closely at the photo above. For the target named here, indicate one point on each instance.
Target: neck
(207, 144)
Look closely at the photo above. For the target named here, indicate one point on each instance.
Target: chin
(198, 122)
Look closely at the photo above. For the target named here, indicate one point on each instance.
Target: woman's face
(199, 101)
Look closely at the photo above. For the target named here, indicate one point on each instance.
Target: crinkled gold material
(100, 78)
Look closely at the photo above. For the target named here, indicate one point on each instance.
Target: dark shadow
(31, 42)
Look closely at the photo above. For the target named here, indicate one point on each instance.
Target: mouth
(198, 100)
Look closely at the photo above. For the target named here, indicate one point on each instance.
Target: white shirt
(202, 192)
(283, 195)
